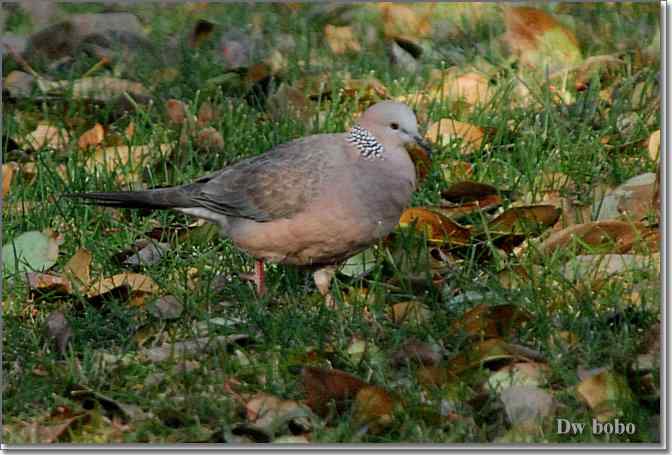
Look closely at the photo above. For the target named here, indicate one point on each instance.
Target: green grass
(291, 327)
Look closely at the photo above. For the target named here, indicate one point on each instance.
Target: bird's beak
(424, 145)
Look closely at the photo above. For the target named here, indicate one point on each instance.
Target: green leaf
(360, 264)
(31, 251)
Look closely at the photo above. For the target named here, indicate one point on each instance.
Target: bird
(312, 202)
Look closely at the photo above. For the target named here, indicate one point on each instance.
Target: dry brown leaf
(134, 282)
(322, 386)
(410, 312)
(446, 130)
(468, 191)
(439, 229)
(617, 236)
(8, 170)
(47, 283)
(264, 410)
(409, 22)
(525, 219)
(79, 268)
(604, 392)
(112, 158)
(92, 137)
(417, 351)
(341, 39)
(45, 135)
(538, 39)
(374, 407)
(485, 321)
(367, 90)
(654, 146)
(471, 87)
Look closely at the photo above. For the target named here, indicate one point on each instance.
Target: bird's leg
(323, 279)
(259, 277)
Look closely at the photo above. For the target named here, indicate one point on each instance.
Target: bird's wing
(276, 184)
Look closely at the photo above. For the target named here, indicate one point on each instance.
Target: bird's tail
(160, 198)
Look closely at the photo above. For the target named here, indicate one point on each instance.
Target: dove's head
(393, 124)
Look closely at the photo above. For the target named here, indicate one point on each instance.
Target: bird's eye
(394, 126)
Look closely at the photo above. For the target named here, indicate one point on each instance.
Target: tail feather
(162, 198)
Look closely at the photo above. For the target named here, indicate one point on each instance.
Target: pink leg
(259, 277)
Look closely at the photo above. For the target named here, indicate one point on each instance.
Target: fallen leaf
(538, 39)
(485, 321)
(417, 351)
(8, 170)
(132, 282)
(341, 39)
(470, 87)
(374, 407)
(632, 200)
(604, 393)
(31, 251)
(406, 21)
(525, 219)
(112, 158)
(360, 264)
(654, 146)
(18, 84)
(322, 386)
(438, 228)
(43, 283)
(79, 268)
(598, 268)
(446, 130)
(45, 135)
(468, 191)
(59, 329)
(166, 307)
(531, 374)
(614, 236)
(410, 312)
(92, 137)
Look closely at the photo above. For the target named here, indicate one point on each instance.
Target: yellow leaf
(341, 39)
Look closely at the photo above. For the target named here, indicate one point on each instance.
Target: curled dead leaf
(609, 235)
(323, 386)
(525, 219)
(604, 393)
(92, 137)
(438, 228)
(133, 282)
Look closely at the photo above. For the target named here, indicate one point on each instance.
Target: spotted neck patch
(366, 143)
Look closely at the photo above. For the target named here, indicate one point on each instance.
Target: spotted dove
(314, 201)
